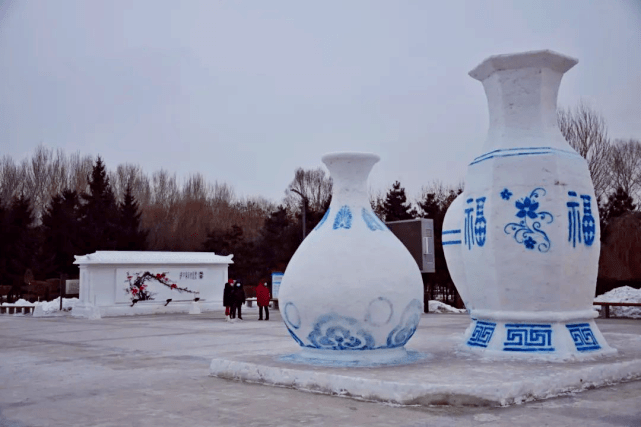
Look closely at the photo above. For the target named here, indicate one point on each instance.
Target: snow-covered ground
(622, 294)
(440, 307)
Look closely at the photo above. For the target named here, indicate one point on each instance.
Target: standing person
(238, 299)
(262, 297)
(227, 299)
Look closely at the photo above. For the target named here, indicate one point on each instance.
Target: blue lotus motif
(527, 207)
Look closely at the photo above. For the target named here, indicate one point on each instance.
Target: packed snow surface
(20, 303)
(439, 307)
(622, 294)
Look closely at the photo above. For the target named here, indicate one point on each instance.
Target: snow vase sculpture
(522, 242)
(351, 292)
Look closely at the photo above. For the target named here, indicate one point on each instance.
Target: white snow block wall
(120, 283)
(522, 242)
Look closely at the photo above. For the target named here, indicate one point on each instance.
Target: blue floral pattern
(528, 231)
(336, 332)
(506, 194)
(372, 221)
(343, 218)
(402, 333)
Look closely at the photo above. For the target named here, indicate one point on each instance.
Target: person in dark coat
(238, 299)
(262, 298)
(227, 298)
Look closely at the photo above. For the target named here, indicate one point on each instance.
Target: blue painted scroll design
(578, 227)
(528, 338)
(453, 237)
(322, 221)
(482, 334)
(524, 151)
(372, 221)
(343, 218)
(528, 230)
(583, 337)
(480, 225)
(292, 315)
(335, 332)
(298, 340)
(506, 194)
(402, 333)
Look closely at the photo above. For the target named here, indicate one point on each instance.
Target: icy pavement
(154, 371)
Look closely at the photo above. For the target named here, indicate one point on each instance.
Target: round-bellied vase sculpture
(522, 241)
(351, 292)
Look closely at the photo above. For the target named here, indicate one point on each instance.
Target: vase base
(577, 340)
(387, 356)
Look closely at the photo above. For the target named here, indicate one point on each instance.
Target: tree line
(54, 206)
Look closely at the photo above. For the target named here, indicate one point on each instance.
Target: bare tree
(314, 185)
(128, 174)
(586, 132)
(79, 170)
(11, 180)
(625, 166)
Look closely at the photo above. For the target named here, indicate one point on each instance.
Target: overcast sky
(247, 91)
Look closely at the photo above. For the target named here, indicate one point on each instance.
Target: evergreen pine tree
(99, 217)
(60, 234)
(130, 236)
(396, 207)
(20, 243)
(619, 203)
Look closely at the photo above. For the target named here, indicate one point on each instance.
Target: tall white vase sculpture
(351, 292)
(522, 242)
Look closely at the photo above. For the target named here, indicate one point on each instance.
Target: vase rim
(530, 59)
(350, 155)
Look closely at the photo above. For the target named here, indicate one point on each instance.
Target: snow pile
(20, 302)
(49, 308)
(439, 307)
(622, 294)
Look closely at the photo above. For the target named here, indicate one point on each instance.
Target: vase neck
(521, 92)
(350, 172)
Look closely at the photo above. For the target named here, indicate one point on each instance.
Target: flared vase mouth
(350, 157)
(532, 59)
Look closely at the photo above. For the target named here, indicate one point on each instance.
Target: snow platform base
(440, 371)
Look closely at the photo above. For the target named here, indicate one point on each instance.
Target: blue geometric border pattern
(455, 234)
(526, 151)
(372, 221)
(401, 334)
(322, 221)
(482, 334)
(528, 337)
(343, 218)
(583, 337)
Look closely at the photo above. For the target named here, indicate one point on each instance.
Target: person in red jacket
(262, 298)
